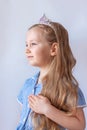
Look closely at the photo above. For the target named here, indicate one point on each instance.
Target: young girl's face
(37, 48)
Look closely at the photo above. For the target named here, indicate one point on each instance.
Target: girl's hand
(39, 103)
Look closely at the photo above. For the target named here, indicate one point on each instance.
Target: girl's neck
(43, 72)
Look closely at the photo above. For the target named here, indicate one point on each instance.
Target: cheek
(42, 52)
(43, 56)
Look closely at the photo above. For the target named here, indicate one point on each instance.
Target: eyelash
(31, 44)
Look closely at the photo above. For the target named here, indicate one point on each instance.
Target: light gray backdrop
(15, 17)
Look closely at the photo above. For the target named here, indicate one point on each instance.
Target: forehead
(35, 34)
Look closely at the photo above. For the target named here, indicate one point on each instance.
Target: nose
(27, 51)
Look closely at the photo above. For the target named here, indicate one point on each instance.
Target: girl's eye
(26, 45)
(33, 44)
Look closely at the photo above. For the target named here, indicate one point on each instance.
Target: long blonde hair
(60, 86)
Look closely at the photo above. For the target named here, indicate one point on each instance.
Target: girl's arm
(41, 105)
(76, 122)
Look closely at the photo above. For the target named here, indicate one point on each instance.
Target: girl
(51, 99)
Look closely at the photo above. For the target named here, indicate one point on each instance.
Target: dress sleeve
(81, 99)
(20, 96)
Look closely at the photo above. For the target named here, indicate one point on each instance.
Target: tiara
(44, 20)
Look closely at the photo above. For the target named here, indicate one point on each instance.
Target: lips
(29, 57)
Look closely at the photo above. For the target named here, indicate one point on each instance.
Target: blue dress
(31, 87)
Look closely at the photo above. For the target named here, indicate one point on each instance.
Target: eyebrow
(26, 42)
(31, 41)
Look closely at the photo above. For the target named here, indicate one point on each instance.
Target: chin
(33, 64)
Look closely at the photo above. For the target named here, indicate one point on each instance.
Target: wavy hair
(60, 86)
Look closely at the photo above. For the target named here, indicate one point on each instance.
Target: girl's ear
(54, 49)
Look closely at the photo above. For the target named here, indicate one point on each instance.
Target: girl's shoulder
(27, 87)
(81, 99)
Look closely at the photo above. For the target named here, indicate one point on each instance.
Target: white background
(15, 18)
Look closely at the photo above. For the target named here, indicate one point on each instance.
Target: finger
(33, 97)
(31, 103)
(30, 96)
(31, 106)
(32, 100)
(40, 96)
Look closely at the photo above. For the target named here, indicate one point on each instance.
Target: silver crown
(44, 20)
